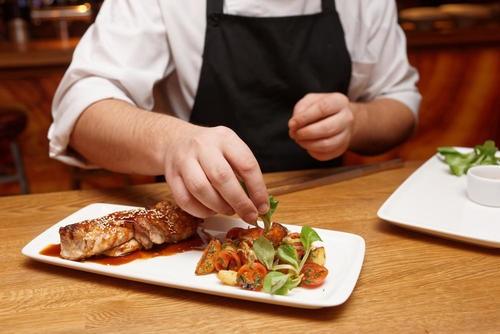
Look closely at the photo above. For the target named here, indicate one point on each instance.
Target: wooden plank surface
(410, 282)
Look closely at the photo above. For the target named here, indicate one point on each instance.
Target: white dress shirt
(136, 44)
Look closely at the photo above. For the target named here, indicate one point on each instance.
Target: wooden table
(410, 282)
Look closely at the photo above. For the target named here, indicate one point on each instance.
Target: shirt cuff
(66, 109)
(410, 99)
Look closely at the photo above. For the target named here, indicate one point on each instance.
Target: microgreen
(274, 281)
(264, 250)
(460, 163)
(266, 218)
(273, 204)
(285, 258)
(288, 254)
(277, 283)
(307, 237)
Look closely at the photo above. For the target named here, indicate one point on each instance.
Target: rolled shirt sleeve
(121, 56)
(380, 63)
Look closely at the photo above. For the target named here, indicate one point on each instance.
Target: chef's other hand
(322, 124)
(203, 167)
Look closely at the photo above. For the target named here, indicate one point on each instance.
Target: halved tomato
(314, 275)
(251, 276)
(227, 259)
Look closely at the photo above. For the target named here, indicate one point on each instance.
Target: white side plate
(345, 254)
(434, 201)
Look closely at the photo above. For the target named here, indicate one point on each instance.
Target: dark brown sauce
(195, 242)
(52, 250)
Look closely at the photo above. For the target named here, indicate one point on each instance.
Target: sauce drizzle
(193, 243)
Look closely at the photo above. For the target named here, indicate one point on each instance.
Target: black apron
(255, 69)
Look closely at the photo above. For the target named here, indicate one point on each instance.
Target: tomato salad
(275, 261)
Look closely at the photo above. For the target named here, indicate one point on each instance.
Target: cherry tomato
(227, 259)
(314, 275)
(251, 276)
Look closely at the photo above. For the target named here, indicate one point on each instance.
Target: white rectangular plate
(344, 255)
(434, 201)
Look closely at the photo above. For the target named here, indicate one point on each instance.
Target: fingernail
(263, 208)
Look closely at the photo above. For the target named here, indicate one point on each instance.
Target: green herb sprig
(285, 258)
(460, 163)
(266, 218)
(273, 205)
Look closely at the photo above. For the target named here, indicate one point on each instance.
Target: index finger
(303, 104)
(242, 160)
(328, 105)
(306, 102)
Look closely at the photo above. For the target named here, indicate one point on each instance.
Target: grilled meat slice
(126, 248)
(122, 232)
(165, 222)
(92, 237)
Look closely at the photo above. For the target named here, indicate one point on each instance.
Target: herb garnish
(266, 218)
(285, 258)
(461, 162)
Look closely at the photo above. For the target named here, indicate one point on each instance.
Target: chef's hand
(322, 124)
(203, 167)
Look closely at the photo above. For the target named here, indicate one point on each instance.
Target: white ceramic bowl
(483, 185)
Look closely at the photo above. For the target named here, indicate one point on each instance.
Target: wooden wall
(33, 89)
(461, 100)
(461, 104)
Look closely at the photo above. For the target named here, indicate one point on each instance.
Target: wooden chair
(13, 121)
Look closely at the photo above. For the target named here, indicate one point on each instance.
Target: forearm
(120, 137)
(380, 125)
(201, 164)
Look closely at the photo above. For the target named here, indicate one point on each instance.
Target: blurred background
(455, 45)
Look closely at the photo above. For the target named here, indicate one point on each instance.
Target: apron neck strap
(328, 6)
(216, 6)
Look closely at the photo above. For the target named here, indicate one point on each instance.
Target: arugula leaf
(445, 150)
(308, 236)
(460, 163)
(284, 290)
(288, 254)
(264, 250)
(273, 204)
(274, 281)
(290, 284)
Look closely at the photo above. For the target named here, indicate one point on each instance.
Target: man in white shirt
(250, 85)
